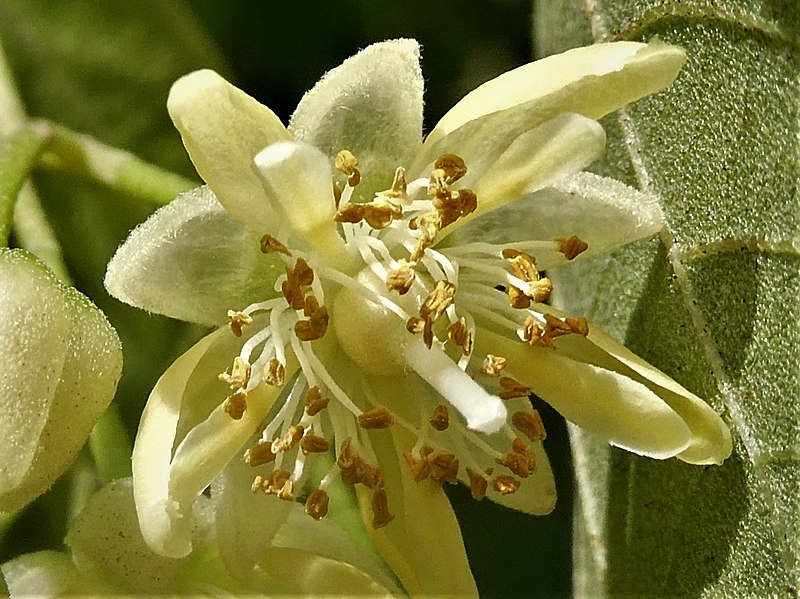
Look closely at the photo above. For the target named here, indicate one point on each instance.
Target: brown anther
(539, 291)
(293, 291)
(317, 504)
(355, 178)
(477, 484)
(440, 419)
(437, 183)
(438, 300)
(269, 244)
(512, 388)
(415, 325)
(493, 365)
(517, 299)
(315, 401)
(459, 333)
(303, 272)
(535, 334)
(468, 201)
(523, 265)
(378, 417)
(378, 216)
(520, 460)
(274, 373)
(505, 485)
(315, 327)
(350, 213)
(259, 454)
(518, 446)
(380, 509)
(420, 469)
(314, 444)
(286, 491)
(401, 279)
(351, 466)
(579, 326)
(427, 333)
(399, 185)
(571, 246)
(259, 484)
(239, 375)
(289, 439)
(444, 467)
(371, 476)
(311, 306)
(337, 193)
(530, 424)
(237, 320)
(276, 481)
(236, 405)
(345, 162)
(453, 166)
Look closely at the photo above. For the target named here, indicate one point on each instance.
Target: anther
(539, 291)
(315, 401)
(303, 272)
(401, 279)
(269, 244)
(351, 466)
(444, 467)
(317, 504)
(477, 484)
(415, 325)
(237, 320)
(314, 444)
(505, 485)
(371, 476)
(337, 193)
(441, 418)
(350, 213)
(571, 246)
(259, 454)
(312, 305)
(459, 333)
(530, 424)
(236, 405)
(289, 439)
(378, 417)
(512, 388)
(380, 509)
(523, 266)
(517, 299)
(379, 215)
(399, 185)
(239, 375)
(276, 482)
(438, 300)
(345, 162)
(315, 327)
(453, 166)
(535, 334)
(493, 365)
(259, 484)
(520, 459)
(274, 373)
(286, 491)
(420, 468)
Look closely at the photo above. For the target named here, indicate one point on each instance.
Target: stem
(17, 159)
(85, 157)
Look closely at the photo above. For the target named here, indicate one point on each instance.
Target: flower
(61, 364)
(108, 557)
(386, 302)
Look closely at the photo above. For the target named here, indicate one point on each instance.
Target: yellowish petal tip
(192, 85)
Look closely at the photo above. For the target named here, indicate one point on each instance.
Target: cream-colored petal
(603, 212)
(43, 574)
(593, 81)
(371, 105)
(192, 261)
(297, 185)
(223, 129)
(62, 364)
(604, 402)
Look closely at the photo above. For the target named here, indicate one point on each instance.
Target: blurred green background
(105, 68)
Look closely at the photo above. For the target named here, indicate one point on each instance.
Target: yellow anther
(459, 333)
(441, 418)
(428, 225)
(539, 291)
(444, 467)
(345, 162)
(379, 215)
(350, 213)
(378, 417)
(236, 405)
(315, 327)
(420, 469)
(415, 325)
(571, 246)
(493, 365)
(399, 185)
(269, 244)
(453, 166)
(274, 373)
(259, 484)
(524, 267)
(276, 481)
(380, 509)
(530, 424)
(517, 299)
(260, 453)
(579, 326)
(239, 375)
(505, 485)
(535, 334)
(437, 183)
(519, 447)
(401, 279)
(237, 320)
(520, 459)
(512, 388)
(289, 439)
(314, 444)
(317, 504)
(315, 401)
(438, 300)
(477, 484)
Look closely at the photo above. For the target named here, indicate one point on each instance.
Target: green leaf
(713, 301)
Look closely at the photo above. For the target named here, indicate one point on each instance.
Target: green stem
(85, 157)
(18, 156)
(111, 446)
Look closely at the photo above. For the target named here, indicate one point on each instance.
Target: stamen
(438, 300)
(399, 188)
(520, 459)
(239, 375)
(317, 504)
(444, 467)
(351, 466)
(275, 373)
(459, 334)
(512, 388)
(401, 279)
(288, 440)
(571, 246)
(236, 405)
(315, 327)
(420, 469)
(259, 454)
(237, 320)
(313, 444)
(477, 484)
(493, 365)
(535, 334)
(530, 424)
(505, 485)
(453, 166)
(380, 509)
(379, 215)
(269, 244)
(315, 401)
(345, 162)
(441, 418)
(349, 213)
(376, 418)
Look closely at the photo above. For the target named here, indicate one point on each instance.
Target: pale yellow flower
(380, 310)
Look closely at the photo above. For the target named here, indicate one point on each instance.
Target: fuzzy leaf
(712, 301)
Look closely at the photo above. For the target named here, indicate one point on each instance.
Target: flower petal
(41, 574)
(192, 261)
(603, 212)
(187, 401)
(371, 105)
(604, 402)
(592, 81)
(223, 129)
(62, 364)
